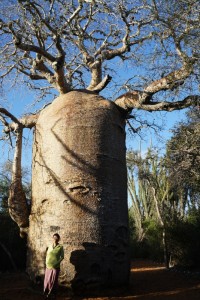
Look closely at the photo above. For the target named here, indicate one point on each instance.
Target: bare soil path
(149, 281)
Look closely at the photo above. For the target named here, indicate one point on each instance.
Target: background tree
(183, 159)
(12, 248)
(153, 197)
(79, 151)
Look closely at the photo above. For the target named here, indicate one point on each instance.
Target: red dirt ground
(149, 281)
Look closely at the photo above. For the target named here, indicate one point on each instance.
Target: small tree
(183, 161)
(152, 204)
(79, 168)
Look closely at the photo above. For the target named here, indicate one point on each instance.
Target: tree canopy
(56, 44)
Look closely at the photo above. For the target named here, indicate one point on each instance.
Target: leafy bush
(184, 242)
(150, 247)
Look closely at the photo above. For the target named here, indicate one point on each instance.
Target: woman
(54, 256)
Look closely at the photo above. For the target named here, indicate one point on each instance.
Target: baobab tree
(79, 182)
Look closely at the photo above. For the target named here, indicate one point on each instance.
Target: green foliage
(184, 242)
(154, 239)
(138, 248)
(183, 158)
(151, 245)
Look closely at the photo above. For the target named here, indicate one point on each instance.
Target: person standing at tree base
(54, 256)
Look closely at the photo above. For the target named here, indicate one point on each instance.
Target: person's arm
(45, 255)
(61, 253)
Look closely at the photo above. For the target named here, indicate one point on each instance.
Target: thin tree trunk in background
(165, 248)
(164, 241)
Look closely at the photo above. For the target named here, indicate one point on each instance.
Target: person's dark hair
(56, 234)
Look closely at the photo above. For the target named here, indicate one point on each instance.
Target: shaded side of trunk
(9, 255)
(79, 189)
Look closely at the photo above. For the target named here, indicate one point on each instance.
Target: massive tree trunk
(79, 189)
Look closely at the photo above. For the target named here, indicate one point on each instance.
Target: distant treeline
(165, 195)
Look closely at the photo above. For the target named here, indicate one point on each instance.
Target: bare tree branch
(170, 106)
(172, 80)
(27, 47)
(131, 100)
(58, 41)
(27, 121)
(99, 87)
(8, 114)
